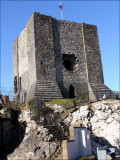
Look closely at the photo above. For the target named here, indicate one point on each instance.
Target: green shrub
(35, 109)
(7, 111)
(116, 95)
(47, 110)
(11, 112)
(83, 97)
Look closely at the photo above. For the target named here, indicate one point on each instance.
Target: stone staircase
(58, 154)
(58, 136)
(47, 91)
(57, 132)
(30, 93)
(44, 91)
(101, 91)
(64, 115)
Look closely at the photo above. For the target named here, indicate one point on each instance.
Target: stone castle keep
(55, 59)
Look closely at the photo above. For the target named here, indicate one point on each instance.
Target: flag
(61, 6)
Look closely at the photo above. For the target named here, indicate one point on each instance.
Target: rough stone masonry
(57, 59)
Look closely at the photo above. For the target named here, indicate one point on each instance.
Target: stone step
(44, 91)
(97, 84)
(103, 92)
(51, 94)
(66, 122)
(46, 100)
(46, 84)
(43, 82)
(57, 133)
(48, 97)
(47, 88)
(100, 90)
(47, 91)
(30, 93)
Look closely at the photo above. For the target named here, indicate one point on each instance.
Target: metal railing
(8, 93)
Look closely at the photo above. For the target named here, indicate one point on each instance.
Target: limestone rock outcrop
(103, 119)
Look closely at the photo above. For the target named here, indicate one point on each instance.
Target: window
(15, 84)
(20, 83)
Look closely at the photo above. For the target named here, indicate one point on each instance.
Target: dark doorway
(71, 91)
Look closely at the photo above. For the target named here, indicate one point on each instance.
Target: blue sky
(104, 14)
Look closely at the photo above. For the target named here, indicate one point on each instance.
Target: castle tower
(55, 59)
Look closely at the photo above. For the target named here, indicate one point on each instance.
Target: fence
(36, 110)
(8, 93)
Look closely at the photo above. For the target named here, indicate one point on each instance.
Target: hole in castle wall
(67, 64)
(69, 61)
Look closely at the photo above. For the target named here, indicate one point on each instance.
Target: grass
(62, 102)
(67, 103)
(83, 158)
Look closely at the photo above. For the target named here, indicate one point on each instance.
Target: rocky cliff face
(102, 118)
(36, 143)
(11, 135)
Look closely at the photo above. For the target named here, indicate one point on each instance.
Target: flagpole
(61, 15)
(61, 7)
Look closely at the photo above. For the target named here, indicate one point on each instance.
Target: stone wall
(93, 56)
(31, 50)
(44, 52)
(24, 66)
(68, 41)
(23, 60)
(15, 59)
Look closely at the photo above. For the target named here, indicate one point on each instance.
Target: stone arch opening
(71, 91)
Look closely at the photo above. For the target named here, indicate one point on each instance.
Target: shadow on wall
(11, 135)
(100, 141)
(58, 55)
